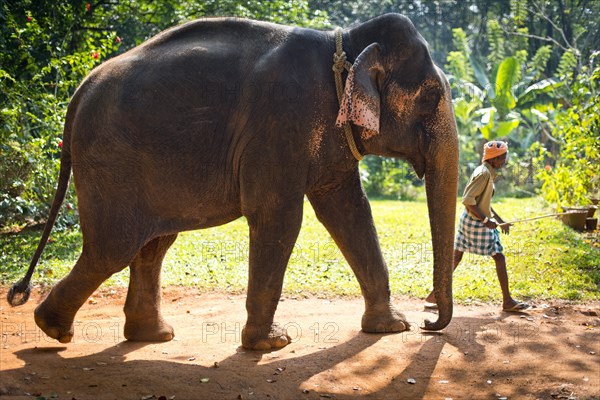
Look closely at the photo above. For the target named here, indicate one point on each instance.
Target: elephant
(223, 118)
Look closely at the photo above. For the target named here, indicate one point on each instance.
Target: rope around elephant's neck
(339, 64)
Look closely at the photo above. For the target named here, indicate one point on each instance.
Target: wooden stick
(534, 218)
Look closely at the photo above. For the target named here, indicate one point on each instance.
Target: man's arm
(496, 216)
(474, 209)
(505, 228)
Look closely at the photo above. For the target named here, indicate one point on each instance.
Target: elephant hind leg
(142, 307)
(56, 313)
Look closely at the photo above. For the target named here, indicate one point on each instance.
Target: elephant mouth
(419, 167)
(418, 164)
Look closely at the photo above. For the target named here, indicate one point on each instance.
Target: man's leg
(507, 301)
(457, 258)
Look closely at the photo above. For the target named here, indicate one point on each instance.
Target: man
(477, 227)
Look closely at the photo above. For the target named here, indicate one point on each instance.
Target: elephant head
(401, 103)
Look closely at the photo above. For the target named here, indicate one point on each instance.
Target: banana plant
(514, 99)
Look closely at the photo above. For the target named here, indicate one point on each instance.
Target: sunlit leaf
(506, 77)
(505, 128)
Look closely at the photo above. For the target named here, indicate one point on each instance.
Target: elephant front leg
(272, 238)
(346, 213)
(142, 307)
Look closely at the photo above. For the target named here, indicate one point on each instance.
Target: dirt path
(552, 352)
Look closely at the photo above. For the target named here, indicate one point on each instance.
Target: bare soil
(550, 352)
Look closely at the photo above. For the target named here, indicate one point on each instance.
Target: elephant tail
(18, 294)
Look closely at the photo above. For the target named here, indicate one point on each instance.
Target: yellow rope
(339, 64)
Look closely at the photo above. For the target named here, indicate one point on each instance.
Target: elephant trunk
(441, 180)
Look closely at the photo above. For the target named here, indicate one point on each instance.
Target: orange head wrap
(494, 149)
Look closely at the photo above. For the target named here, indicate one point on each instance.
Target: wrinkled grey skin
(218, 119)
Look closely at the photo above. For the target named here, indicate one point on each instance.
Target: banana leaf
(508, 71)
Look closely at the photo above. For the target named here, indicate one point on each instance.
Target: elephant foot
(384, 319)
(148, 330)
(264, 338)
(53, 324)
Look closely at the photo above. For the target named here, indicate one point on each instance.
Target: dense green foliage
(545, 258)
(575, 177)
(519, 94)
(44, 56)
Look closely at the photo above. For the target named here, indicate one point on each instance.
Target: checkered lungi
(474, 237)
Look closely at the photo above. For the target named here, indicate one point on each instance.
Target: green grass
(545, 259)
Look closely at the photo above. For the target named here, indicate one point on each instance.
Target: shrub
(43, 63)
(573, 176)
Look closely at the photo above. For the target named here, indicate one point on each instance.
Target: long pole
(534, 218)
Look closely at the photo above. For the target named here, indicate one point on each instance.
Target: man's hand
(491, 224)
(499, 221)
(505, 228)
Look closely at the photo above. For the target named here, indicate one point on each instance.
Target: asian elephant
(222, 118)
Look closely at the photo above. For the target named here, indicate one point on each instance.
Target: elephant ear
(361, 101)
